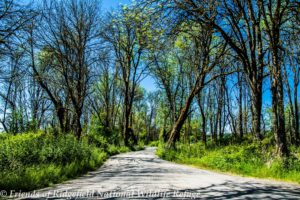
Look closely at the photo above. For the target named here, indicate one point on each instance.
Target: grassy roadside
(253, 160)
(35, 160)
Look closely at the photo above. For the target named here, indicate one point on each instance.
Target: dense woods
(225, 71)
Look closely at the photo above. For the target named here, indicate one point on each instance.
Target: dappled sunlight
(143, 172)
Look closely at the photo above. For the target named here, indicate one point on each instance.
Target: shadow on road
(141, 175)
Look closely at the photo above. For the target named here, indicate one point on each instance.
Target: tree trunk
(240, 102)
(292, 120)
(296, 83)
(78, 130)
(126, 130)
(204, 140)
(256, 114)
(61, 118)
(297, 134)
(278, 106)
(175, 132)
(127, 112)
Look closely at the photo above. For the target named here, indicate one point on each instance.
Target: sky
(110, 4)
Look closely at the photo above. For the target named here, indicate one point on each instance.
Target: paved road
(142, 175)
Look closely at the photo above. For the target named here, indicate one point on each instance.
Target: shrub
(34, 160)
(251, 159)
(154, 143)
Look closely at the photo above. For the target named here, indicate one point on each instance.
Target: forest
(226, 74)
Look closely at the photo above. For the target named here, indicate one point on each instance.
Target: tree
(153, 99)
(274, 19)
(13, 19)
(244, 35)
(291, 69)
(206, 51)
(69, 34)
(106, 97)
(129, 34)
(168, 68)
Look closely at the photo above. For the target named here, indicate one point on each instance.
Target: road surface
(142, 175)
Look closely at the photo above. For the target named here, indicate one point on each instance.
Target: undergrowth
(249, 159)
(35, 160)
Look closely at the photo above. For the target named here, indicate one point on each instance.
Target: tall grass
(34, 160)
(249, 159)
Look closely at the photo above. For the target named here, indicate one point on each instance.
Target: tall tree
(239, 23)
(129, 34)
(274, 13)
(69, 33)
(201, 61)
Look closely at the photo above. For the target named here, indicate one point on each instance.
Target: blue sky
(110, 4)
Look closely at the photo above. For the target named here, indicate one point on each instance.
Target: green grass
(248, 159)
(153, 144)
(35, 160)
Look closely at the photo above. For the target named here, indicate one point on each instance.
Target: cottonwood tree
(239, 23)
(202, 99)
(12, 95)
(292, 69)
(274, 14)
(205, 52)
(69, 33)
(38, 102)
(291, 77)
(13, 18)
(151, 126)
(105, 102)
(15, 86)
(129, 34)
(169, 73)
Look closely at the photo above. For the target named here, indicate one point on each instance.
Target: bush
(251, 159)
(113, 149)
(154, 144)
(34, 160)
